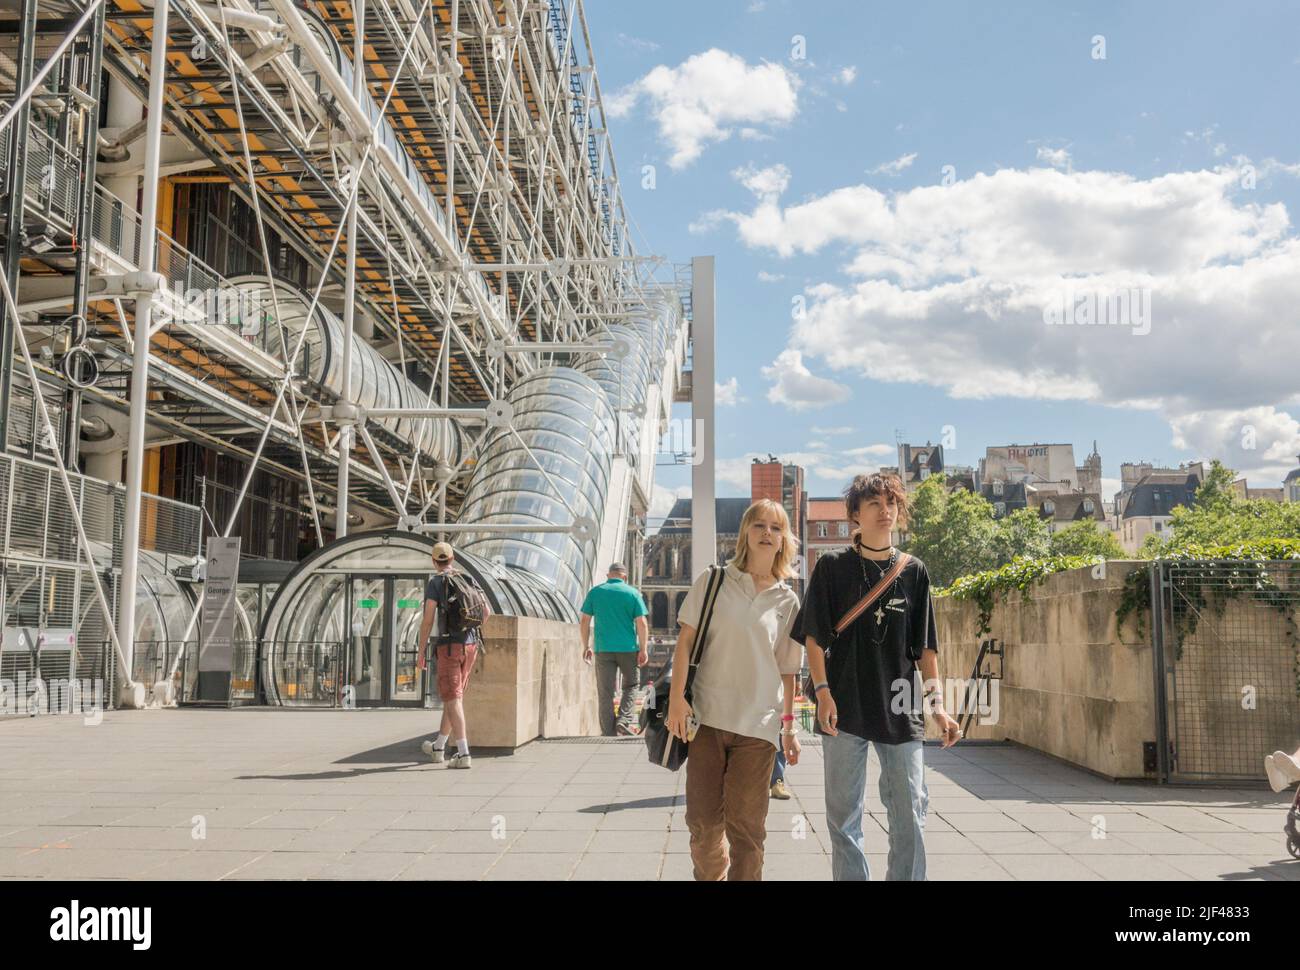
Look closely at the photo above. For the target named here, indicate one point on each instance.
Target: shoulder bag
(663, 748)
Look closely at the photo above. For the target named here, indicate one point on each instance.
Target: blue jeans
(778, 768)
(902, 789)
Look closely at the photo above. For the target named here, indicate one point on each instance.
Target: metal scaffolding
(432, 216)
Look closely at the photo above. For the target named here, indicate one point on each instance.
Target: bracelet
(787, 717)
(818, 687)
(790, 734)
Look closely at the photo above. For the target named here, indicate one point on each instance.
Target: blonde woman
(742, 696)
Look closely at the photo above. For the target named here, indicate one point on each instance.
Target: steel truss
(444, 165)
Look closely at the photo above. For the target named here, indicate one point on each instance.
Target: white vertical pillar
(124, 110)
(140, 362)
(350, 272)
(704, 528)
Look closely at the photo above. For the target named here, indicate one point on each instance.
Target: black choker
(863, 545)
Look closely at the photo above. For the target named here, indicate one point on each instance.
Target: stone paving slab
(275, 794)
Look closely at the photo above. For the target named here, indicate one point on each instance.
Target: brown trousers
(727, 795)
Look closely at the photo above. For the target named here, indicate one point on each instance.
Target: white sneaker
(458, 760)
(437, 754)
(1282, 770)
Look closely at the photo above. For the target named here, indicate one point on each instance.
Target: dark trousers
(609, 665)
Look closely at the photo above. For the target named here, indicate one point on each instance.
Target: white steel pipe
(350, 273)
(140, 362)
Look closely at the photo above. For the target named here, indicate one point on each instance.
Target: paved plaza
(281, 794)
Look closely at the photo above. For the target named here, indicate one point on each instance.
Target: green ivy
(1201, 581)
(1203, 584)
(1022, 573)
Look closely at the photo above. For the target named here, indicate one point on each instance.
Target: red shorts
(455, 661)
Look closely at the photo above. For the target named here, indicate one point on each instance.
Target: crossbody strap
(706, 617)
(873, 594)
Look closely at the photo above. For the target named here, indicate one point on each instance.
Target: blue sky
(927, 177)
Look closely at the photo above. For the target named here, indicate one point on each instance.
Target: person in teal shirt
(621, 638)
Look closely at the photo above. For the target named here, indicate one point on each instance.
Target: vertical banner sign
(217, 629)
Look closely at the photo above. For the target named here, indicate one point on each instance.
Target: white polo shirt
(738, 685)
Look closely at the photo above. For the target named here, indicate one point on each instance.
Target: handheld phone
(692, 726)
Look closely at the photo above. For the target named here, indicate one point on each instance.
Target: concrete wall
(1072, 686)
(530, 682)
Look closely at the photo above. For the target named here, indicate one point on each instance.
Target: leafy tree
(1086, 538)
(1023, 534)
(952, 533)
(1220, 523)
(1215, 494)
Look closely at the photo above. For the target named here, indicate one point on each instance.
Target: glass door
(367, 619)
(406, 593)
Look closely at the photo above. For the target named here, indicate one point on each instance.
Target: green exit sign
(367, 604)
(408, 604)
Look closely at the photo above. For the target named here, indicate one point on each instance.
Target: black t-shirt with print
(864, 678)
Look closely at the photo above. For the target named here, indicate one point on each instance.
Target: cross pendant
(880, 614)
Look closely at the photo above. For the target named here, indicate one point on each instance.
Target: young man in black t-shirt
(865, 681)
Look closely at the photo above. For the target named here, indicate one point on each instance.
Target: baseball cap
(442, 552)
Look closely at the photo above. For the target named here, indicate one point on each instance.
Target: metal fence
(49, 615)
(197, 288)
(1227, 666)
(53, 179)
(153, 661)
(307, 672)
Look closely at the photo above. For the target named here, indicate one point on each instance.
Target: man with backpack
(455, 607)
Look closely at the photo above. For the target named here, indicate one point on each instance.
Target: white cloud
(847, 76)
(1268, 167)
(699, 101)
(637, 43)
(1260, 443)
(894, 167)
(735, 471)
(1023, 224)
(707, 222)
(869, 450)
(765, 277)
(1055, 157)
(766, 183)
(797, 387)
(832, 431)
(662, 499)
(756, 6)
(1207, 137)
(947, 287)
(824, 472)
(727, 394)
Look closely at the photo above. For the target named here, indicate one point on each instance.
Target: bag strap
(873, 594)
(706, 617)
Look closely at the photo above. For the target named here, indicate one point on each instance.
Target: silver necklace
(881, 617)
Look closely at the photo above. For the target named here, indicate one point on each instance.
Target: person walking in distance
(622, 634)
(863, 661)
(742, 697)
(455, 649)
